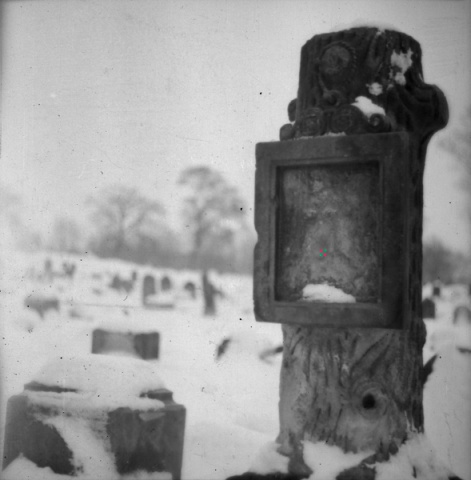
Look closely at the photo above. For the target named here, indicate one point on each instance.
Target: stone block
(145, 344)
(148, 440)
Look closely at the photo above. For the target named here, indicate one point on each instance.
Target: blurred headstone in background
(144, 345)
(428, 308)
(148, 288)
(69, 269)
(190, 287)
(166, 284)
(462, 314)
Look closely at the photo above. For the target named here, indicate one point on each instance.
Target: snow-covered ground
(231, 401)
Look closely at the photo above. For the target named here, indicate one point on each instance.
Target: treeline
(441, 263)
(213, 231)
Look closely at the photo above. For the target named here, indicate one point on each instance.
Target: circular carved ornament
(379, 123)
(313, 123)
(346, 119)
(336, 60)
(287, 132)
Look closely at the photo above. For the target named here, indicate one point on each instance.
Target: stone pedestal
(149, 440)
(145, 345)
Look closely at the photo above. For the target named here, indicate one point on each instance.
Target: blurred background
(111, 109)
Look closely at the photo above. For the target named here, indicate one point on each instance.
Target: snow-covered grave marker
(143, 344)
(338, 212)
(96, 417)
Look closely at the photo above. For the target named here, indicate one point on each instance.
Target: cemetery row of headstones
(157, 291)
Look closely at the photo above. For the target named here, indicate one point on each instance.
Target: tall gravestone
(339, 206)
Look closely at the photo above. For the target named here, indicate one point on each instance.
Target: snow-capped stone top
(119, 324)
(367, 106)
(105, 381)
(365, 23)
(325, 293)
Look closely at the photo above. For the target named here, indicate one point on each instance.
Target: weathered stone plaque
(322, 209)
(332, 249)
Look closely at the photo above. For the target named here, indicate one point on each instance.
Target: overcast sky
(97, 92)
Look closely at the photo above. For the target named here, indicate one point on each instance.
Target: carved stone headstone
(357, 388)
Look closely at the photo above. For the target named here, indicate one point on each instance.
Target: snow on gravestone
(116, 404)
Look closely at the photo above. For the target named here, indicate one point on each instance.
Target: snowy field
(232, 401)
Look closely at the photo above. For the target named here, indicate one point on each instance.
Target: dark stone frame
(392, 152)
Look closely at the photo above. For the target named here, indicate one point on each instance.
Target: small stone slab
(145, 345)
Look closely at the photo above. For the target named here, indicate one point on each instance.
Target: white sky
(97, 92)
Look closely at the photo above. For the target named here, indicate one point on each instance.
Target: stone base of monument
(137, 440)
(145, 345)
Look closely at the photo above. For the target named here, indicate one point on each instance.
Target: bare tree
(438, 262)
(212, 211)
(14, 230)
(121, 215)
(66, 235)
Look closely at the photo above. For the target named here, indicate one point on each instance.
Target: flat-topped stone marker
(102, 414)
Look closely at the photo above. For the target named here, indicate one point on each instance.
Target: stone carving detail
(389, 84)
